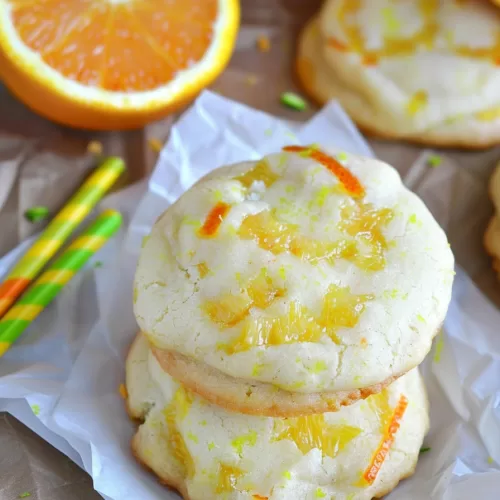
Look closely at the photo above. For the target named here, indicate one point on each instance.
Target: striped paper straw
(43, 290)
(58, 230)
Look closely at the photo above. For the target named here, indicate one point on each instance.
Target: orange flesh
(346, 178)
(312, 431)
(341, 309)
(214, 220)
(137, 45)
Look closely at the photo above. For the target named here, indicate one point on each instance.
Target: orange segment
(128, 61)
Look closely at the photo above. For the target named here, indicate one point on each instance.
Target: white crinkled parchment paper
(62, 377)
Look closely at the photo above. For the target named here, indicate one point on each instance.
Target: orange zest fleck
(123, 391)
(370, 60)
(337, 44)
(380, 455)
(214, 220)
(258, 497)
(263, 43)
(349, 181)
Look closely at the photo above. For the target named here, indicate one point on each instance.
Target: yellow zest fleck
(228, 310)
(490, 460)
(202, 269)
(392, 25)
(312, 431)
(135, 294)
(489, 115)
(256, 370)
(203, 423)
(95, 148)
(342, 156)
(214, 220)
(341, 309)
(421, 318)
(155, 144)
(263, 43)
(346, 178)
(386, 442)
(322, 195)
(287, 475)
(211, 446)
(391, 294)
(35, 409)
(260, 172)
(413, 219)
(417, 102)
(227, 478)
(123, 391)
(249, 439)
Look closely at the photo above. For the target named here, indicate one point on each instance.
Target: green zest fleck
(211, 446)
(342, 156)
(490, 460)
(439, 347)
(35, 409)
(193, 438)
(293, 101)
(97, 264)
(434, 160)
(319, 366)
(421, 318)
(413, 219)
(26, 494)
(424, 450)
(239, 442)
(287, 474)
(319, 493)
(36, 214)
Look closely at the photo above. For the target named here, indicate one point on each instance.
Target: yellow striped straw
(59, 230)
(43, 290)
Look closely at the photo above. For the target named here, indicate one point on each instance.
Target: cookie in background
(492, 235)
(425, 71)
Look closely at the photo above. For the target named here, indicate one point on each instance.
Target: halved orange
(113, 64)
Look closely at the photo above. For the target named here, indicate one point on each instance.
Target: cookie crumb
(123, 391)
(155, 144)
(263, 43)
(95, 148)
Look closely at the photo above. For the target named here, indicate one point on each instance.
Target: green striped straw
(58, 231)
(43, 290)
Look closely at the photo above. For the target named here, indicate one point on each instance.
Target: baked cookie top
(308, 270)
(417, 65)
(359, 452)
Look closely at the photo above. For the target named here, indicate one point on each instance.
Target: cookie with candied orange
(208, 453)
(308, 279)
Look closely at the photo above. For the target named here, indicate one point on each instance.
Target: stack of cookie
(285, 305)
(426, 71)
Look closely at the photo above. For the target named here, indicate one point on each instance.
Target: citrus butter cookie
(424, 70)
(492, 235)
(207, 453)
(306, 272)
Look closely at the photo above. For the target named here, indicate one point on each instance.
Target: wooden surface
(54, 477)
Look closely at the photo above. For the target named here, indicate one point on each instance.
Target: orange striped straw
(58, 231)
